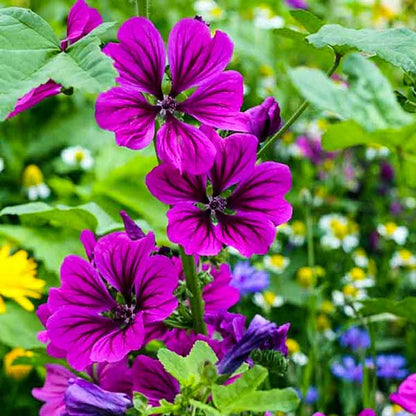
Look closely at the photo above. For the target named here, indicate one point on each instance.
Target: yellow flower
(266, 71)
(322, 322)
(298, 228)
(269, 297)
(32, 176)
(306, 276)
(357, 273)
(292, 346)
(390, 227)
(350, 291)
(18, 279)
(17, 371)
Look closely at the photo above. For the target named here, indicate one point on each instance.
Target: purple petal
(235, 159)
(89, 241)
(192, 228)
(81, 21)
(185, 147)
(77, 330)
(169, 186)
(115, 376)
(263, 192)
(140, 56)
(406, 395)
(194, 56)
(120, 260)
(217, 103)
(151, 379)
(81, 286)
(127, 113)
(35, 96)
(219, 294)
(118, 342)
(154, 289)
(132, 229)
(249, 233)
(83, 398)
(53, 391)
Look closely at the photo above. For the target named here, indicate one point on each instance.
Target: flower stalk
(195, 300)
(271, 140)
(142, 8)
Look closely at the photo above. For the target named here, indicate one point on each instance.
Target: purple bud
(83, 398)
(132, 229)
(264, 119)
(396, 208)
(386, 171)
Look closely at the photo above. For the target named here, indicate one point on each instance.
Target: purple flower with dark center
(237, 203)
(83, 398)
(406, 394)
(261, 334)
(264, 119)
(247, 279)
(195, 60)
(348, 369)
(103, 311)
(109, 378)
(355, 338)
(82, 19)
(152, 380)
(391, 366)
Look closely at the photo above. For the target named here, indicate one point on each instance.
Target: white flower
(358, 278)
(360, 258)
(299, 358)
(33, 183)
(264, 18)
(376, 152)
(77, 156)
(209, 9)
(403, 258)
(410, 202)
(339, 232)
(392, 231)
(394, 410)
(268, 300)
(40, 191)
(348, 299)
(276, 263)
(1, 164)
(296, 232)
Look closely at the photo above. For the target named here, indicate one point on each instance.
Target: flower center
(124, 315)
(217, 203)
(167, 105)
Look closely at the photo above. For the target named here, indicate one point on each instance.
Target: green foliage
(369, 100)
(243, 395)
(405, 308)
(307, 19)
(19, 328)
(396, 46)
(30, 54)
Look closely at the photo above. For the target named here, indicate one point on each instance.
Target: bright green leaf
(405, 308)
(369, 100)
(396, 46)
(307, 19)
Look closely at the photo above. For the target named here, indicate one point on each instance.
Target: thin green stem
(195, 299)
(271, 140)
(142, 8)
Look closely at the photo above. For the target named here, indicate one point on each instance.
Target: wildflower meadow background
(207, 207)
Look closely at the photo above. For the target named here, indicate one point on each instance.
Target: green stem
(195, 299)
(271, 140)
(142, 8)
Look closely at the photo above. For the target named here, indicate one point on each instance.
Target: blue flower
(355, 338)
(311, 395)
(348, 369)
(391, 366)
(247, 279)
(261, 334)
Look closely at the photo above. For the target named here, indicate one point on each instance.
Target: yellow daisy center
(32, 176)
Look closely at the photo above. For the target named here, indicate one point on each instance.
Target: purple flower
(297, 4)
(386, 171)
(81, 21)
(365, 412)
(347, 369)
(83, 398)
(391, 366)
(311, 395)
(151, 380)
(311, 148)
(355, 338)
(261, 334)
(240, 206)
(103, 311)
(247, 279)
(195, 60)
(264, 119)
(111, 378)
(406, 395)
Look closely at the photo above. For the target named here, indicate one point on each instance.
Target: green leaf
(19, 328)
(207, 409)
(290, 34)
(27, 44)
(405, 308)
(307, 19)
(187, 370)
(89, 216)
(396, 46)
(369, 100)
(242, 395)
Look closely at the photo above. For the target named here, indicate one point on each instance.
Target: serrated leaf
(27, 44)
(396, 46)
(369, 100)
(187, 370)
(405, 308)
(307, 19)
(19, 328)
